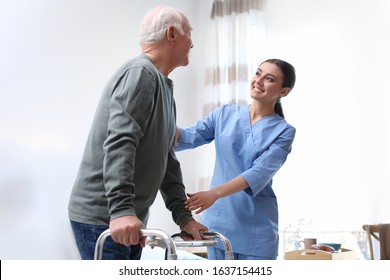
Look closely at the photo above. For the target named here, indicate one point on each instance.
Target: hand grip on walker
(158, 238)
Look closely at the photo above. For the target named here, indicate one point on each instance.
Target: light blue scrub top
(249, 218)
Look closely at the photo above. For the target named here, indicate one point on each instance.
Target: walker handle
(171, 248)
(207, 242)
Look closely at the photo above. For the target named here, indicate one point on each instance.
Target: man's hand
(125, 230)
(194, 229)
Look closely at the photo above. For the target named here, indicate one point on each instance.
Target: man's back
(132, 133)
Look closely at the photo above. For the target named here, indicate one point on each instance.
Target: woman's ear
(285, 91)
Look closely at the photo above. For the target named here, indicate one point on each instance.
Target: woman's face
(266, 84)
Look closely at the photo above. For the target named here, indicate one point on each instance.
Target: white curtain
(235, 43)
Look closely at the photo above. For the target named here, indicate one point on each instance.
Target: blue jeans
(214, 253)
(86, 237)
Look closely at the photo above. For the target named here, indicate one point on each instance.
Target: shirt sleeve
(130, 109)
(173, 191)
(201, 133)
(269, 162)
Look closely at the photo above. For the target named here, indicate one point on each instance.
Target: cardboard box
(310, 254)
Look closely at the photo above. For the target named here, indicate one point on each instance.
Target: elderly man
(130, 155)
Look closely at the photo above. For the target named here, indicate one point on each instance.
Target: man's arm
(173, 193)
(130, 108)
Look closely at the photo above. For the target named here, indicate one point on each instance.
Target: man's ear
(171, 33)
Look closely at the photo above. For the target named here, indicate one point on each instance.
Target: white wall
(337, 174)
(56, 57)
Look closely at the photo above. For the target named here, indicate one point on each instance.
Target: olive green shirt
(130, 155)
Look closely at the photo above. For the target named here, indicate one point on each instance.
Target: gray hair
(157, 21)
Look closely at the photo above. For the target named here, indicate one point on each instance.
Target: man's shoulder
(137, 67)
(142, 61)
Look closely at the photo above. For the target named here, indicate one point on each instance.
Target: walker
(158, 238)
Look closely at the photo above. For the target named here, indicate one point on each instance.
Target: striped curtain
(235, 40)
(235, 44)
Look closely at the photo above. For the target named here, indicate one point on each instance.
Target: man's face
(184, 44)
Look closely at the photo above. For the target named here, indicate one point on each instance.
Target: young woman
(252, 143)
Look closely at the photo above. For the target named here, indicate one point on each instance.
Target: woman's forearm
(235, 185)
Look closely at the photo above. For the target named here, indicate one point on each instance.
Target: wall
(56, 57)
